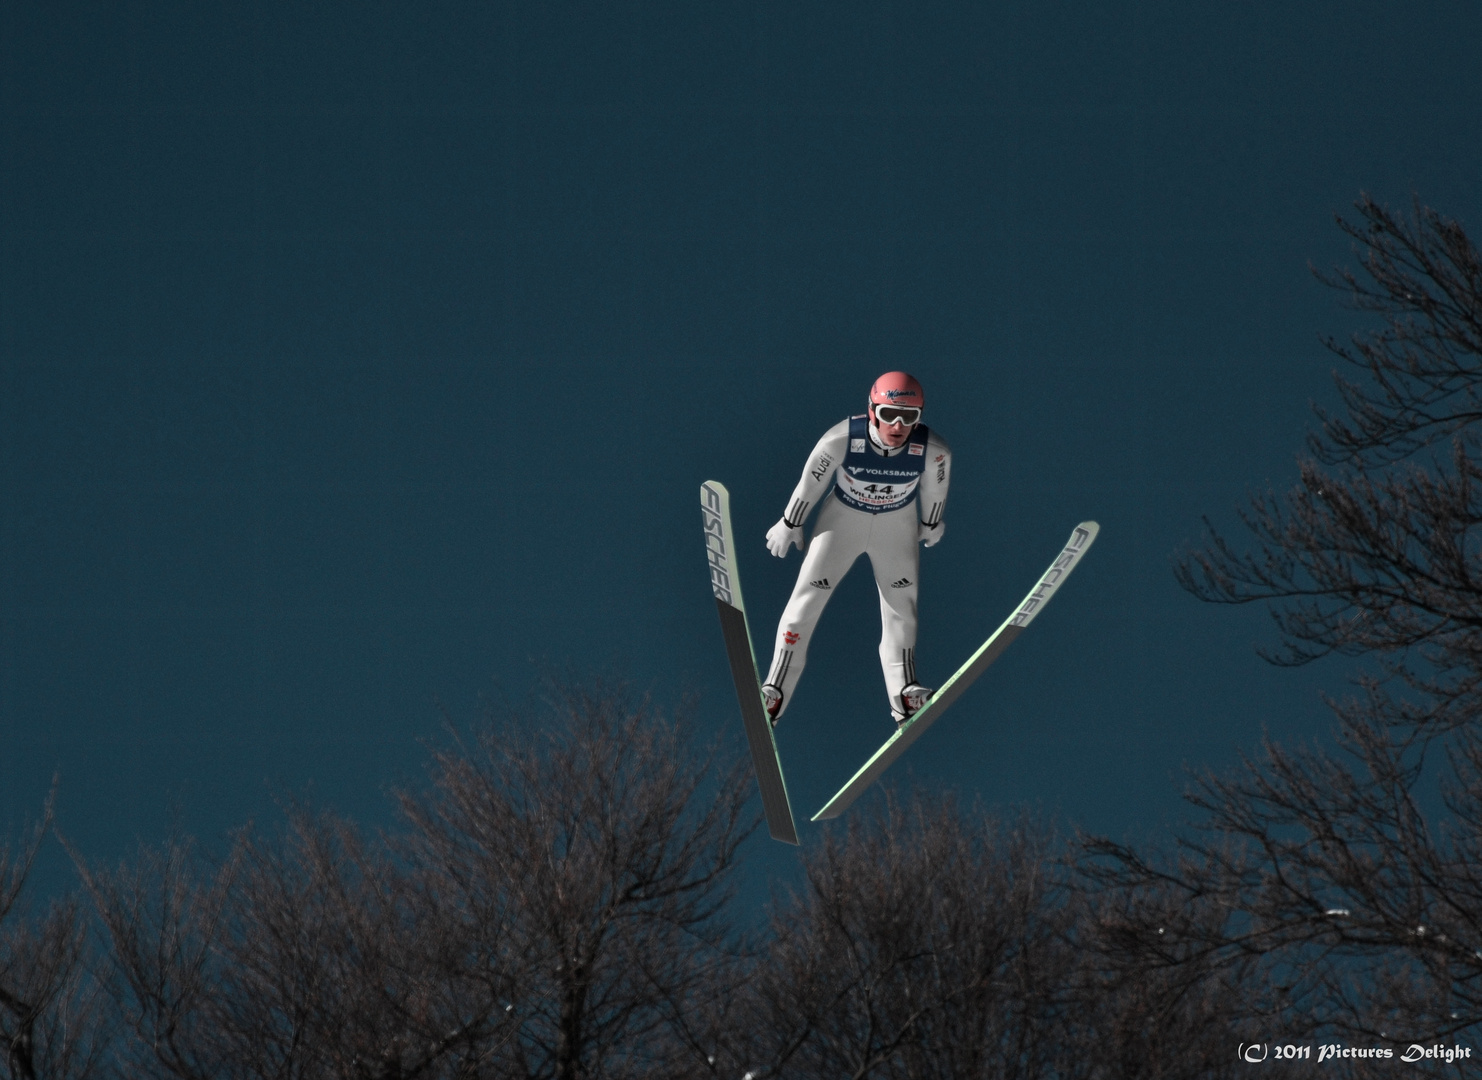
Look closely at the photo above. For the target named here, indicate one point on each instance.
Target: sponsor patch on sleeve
(856, 446)
(917, 449)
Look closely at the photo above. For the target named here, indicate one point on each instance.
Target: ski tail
(725, 583)
(1080, 540)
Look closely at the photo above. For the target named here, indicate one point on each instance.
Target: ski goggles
(897, 414)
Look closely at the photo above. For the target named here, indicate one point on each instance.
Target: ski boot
(772, 701)
(913, 697)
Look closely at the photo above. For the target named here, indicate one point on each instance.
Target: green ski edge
(725, 583)
(1080, 540)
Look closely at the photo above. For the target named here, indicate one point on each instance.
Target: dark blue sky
(357, 356)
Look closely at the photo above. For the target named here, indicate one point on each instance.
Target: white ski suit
(874, 511)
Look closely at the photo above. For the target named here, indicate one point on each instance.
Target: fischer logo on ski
(725, 583)
(715, 543)
(1079, 541)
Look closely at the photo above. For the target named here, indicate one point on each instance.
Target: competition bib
(868, 480)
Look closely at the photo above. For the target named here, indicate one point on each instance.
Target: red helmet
(895, 390)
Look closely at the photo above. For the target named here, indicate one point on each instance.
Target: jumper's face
(894, 423)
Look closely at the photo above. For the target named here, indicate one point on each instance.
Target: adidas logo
(821, 583)
(901, 584)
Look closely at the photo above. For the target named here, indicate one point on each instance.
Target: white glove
(930, 534)
(782, 536)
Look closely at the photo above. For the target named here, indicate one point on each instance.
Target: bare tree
(165, 921)
(1376, 554)
(1365, 908)
(339, 960)
(310, 956)
(53, 1025)
(925, 944)
(553, 910)
(601, 845)
(1365, 916)
(1176, 976)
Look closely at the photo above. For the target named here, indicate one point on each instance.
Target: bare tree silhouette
(1353, 872)
(926, 943)
(602, 844)
(53, 1022)
(554, 909)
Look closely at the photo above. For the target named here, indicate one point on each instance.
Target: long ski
(725, 583)
(989, 651)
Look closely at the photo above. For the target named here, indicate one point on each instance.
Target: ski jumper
(879, 496)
